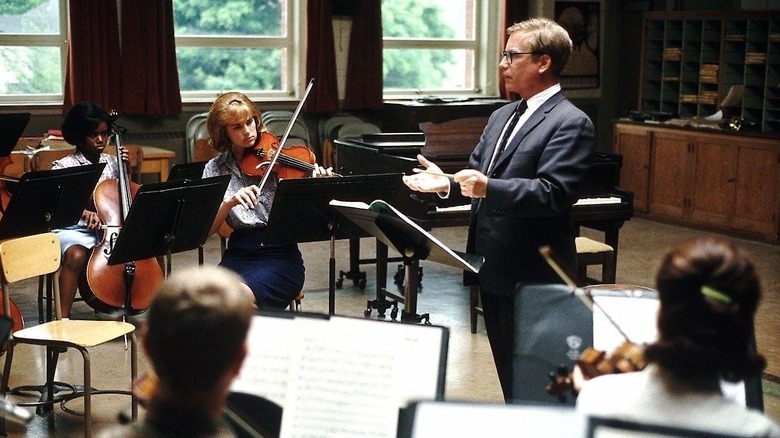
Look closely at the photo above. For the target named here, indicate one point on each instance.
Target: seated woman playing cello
(273, 274)
(86, 126)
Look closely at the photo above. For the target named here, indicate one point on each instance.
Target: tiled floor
(470, 372)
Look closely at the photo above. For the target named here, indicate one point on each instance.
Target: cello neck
(125, 197)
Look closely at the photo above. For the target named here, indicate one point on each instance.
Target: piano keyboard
(599, 201)
(583, 201)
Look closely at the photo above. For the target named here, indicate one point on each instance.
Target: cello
(5, 198)
(127, 287)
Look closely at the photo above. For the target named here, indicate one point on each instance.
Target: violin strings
(292, 161)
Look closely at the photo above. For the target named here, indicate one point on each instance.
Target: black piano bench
(591, 252)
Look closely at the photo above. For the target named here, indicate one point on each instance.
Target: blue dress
(275, 273)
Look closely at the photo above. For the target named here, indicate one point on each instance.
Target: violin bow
(584, 296)
(286, 133)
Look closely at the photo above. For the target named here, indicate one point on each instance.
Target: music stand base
(414, 317)
(358, 278)
(381, 305)
(44, 405)
(400, 274)
(94, 391)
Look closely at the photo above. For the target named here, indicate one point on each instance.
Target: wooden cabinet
(691, 60)
(633, 143)
(669, 175)
(717, 180)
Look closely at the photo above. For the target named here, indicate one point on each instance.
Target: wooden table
(156, 160)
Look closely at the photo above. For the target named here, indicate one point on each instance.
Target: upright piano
(603, 205)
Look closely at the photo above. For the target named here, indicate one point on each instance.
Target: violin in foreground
(627, 357)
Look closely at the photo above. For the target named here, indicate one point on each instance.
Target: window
(248, 45)
(32, 51)
(440, 47)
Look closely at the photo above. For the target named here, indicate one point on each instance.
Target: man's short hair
(549, 38)
(197, 324)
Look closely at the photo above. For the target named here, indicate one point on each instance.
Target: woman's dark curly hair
(709, 292)
(81, 120)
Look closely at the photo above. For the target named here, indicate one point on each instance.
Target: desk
(156, 160)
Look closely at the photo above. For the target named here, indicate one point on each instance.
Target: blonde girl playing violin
(273, 274)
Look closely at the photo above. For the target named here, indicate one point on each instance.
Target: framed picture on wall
(581, 20)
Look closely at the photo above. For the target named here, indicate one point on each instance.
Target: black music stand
(167, 218)
(552, 328)
(300, 212)
(11, 128)
(47, 200)
(192, 170)
(397, 231)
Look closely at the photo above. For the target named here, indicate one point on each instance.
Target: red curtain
(151, 77)
(364, 69)
(321, 58)
(94, 66)
(514, 11)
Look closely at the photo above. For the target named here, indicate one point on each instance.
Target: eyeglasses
(510, 54)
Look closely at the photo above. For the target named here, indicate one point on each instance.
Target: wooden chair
(591, 252)
(43, 158)
(38, 255)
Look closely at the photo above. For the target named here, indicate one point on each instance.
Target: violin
(294, 161)
(128, 287)
(626, 358)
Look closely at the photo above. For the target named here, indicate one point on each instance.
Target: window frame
(59, 40)
(293, 83)
(488, 31)
(487, 36)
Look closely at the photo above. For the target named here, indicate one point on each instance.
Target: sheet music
(265, 369)
(343, 385)
(635, 316)
(383, 208)
(341, 376)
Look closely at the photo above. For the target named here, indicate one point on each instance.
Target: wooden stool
(591, 252)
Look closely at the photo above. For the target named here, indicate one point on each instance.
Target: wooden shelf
(692, 59)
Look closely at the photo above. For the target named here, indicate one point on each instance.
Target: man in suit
(523, 178)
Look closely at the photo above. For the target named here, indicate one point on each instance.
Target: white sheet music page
(636, 317)
(345, 381)
(265, 368)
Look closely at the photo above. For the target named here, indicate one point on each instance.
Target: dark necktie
(521, 107)
(519, 110)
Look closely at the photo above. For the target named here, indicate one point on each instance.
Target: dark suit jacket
(529, 195)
